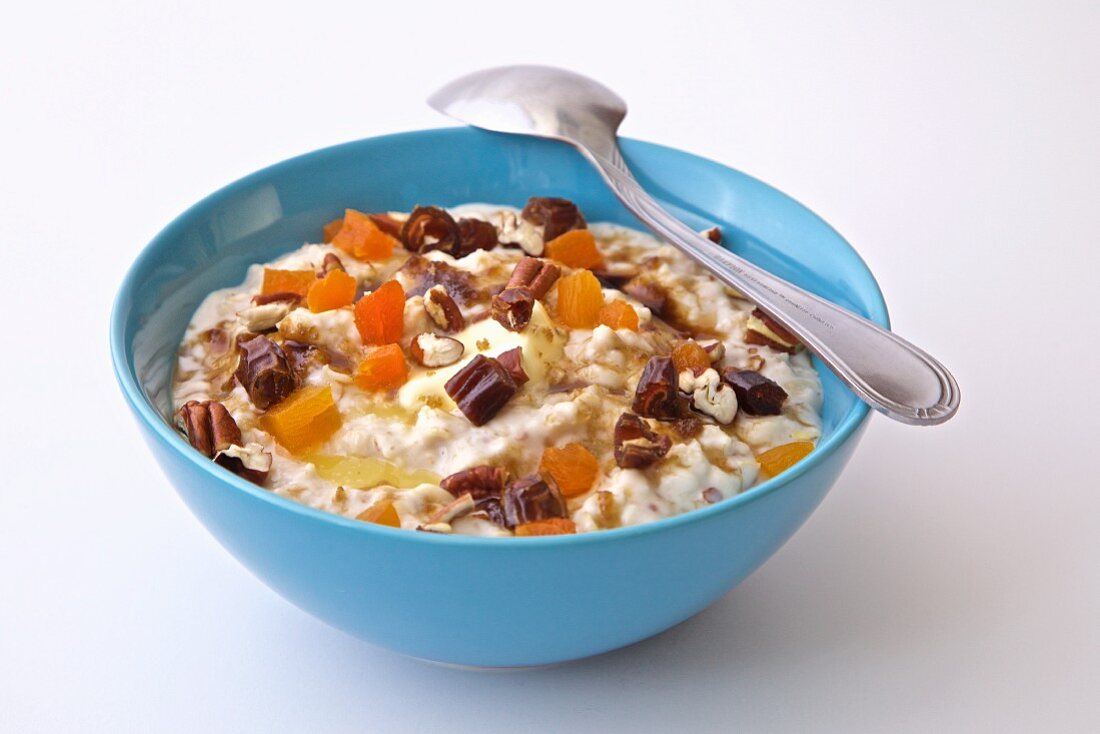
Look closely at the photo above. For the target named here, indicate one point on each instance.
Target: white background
(949, 583)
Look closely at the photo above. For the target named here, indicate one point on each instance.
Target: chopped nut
(757, 394)
(422, 274)
(531, 498)
(651, 295)
(715, 349)
(656, 395)
(493, 510)
(455, 508)
(209, 426)
(473, 235)
(556, 216)
(761, 329)
(250, 461)
(443, 310)
(478, 481)
(711, 495)
(290, 297)
(512, 360)
(481, 389)
(536, 275)
(636, 444)
(330, 263)
(710, 395)
(714, 234)
(442, 528)
(429, 228)
(610, 514)
(512, 308)
(430, 350)
(216, 340)
(264, 317)
(518, 232)
(264, 372)
(688, 427)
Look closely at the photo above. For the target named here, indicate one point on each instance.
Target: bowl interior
(277, 209)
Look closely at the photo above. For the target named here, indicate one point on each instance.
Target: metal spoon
(890, 374)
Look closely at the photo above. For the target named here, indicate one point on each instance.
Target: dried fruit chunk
(478, 481)
(756, 394)
(555, 215)
(777, 460)
(335, 290)
(512, 360)
(297, 282)
(330, 230)
(381, 513)
(481, 388)
(382, 369)
(550, 526)
(619, 315)
(534, 274)
(762, 330)
(575, 248)
(651, 295)
(572, 467)
(263, 371)
(636, 444)
(512, 308)
(580, 299)
(473, 235)
(360, 237)
(690, 355)
(493, 510)
(305, 419)
(380, 315)
(657, 395)
(430, 228)
(531, 499)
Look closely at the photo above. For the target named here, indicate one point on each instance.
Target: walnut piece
(710, 395)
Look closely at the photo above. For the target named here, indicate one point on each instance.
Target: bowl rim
(173, 441)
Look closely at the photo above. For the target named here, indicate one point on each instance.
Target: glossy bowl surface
(477, 601)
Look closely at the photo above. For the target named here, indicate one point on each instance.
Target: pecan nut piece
(636, 444)
(556, 216)
(512, 308)
(481, 389)
(534, 274)
(762, 330)
(264, 371)
(474, 235)
(330, 263)
(209, 426)
(429, 228)
(512, 360)
(530, 499)
(477, 481)
(249, 462)
(493, 509)
(429, 350)
(756, 394)
(657, 395)
(714, 234)
(443, 310)
(651, 295)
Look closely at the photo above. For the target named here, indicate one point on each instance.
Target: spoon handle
(887, 372)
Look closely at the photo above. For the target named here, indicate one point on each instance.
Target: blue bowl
(468, 600)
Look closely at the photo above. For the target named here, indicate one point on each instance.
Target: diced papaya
(331, 229)
(549, 526)
(777, 460)
(576, 248)
(619, 315)
(287, 281)
(580, 299)
(572, 467)
(380, 314)
(360, 237)
(335, 290)
(305, 419)
(690, 355)
(383, 369)
(381, 513)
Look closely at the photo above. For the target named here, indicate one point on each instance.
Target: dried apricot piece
(304, 419)
(383, 369)
(549, 526)
(777, 460)
(690, 355)
(576, 248)
(580, 299)
(573, 468)
(335, 290)
(361, 237)
(331, 229)
(287, 281)
(381, 513)
(617, 314)
(380, 314)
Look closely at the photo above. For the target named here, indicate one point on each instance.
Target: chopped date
(264, 371)
(556, 216)
(481, 388)
(636, 444)
(756, 394)
(493, 509)
(512, 360)
(423, 274)
(536, 275)
(474, 235)
(512, 308)
(530, 499)
(657, 394)
(429, 228)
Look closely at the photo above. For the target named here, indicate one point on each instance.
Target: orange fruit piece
(287, 281)
(380, 314)
(361, 237)
(331, 229)
(689, 355)
(576, 248)
(619, 315)
(304, 419)
(383, 369)
(777, 460)
(580, 299)
(573, 468)
(549, 526)
(335, 290)
(381, 513)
